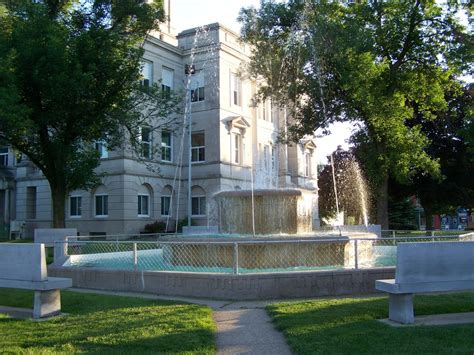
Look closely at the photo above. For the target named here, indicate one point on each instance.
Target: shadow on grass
(100, 323)
(350, 326)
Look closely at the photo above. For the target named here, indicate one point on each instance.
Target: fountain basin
(268, 253)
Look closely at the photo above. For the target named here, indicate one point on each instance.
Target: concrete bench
(23, 266)
(425, 268)
(48, 236)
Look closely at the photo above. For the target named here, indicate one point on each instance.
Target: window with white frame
(101, 205)
(197, 87)
(165, 205)
(102, 149)
(147, 74)
(75, 206)
(166, 146)
(274, 158)
(235, 89)
(3, 156)
(143, 205)
(264, 111)
(198, 147)
(167, 77)
(146, 142)
(166, 201)
(307, 164)
(198, 206)
(237, 148)
(266, 157)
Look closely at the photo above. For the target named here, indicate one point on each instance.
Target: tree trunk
(429, 219)
(382, 203)
(58, 196)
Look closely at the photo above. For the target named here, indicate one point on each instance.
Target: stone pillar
(401, 308)
(47, 304)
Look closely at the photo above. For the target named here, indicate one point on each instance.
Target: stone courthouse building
(233, 146)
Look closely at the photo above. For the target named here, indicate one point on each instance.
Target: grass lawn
(349, 326)
(108, 324)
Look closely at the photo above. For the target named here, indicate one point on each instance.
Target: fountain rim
(258, 193)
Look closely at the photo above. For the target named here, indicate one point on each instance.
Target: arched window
(166, 196)
(144, 200)
(198, 201)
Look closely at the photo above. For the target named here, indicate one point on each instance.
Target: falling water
(202, 40)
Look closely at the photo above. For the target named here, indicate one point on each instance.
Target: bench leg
(47, 304)
(401, 308)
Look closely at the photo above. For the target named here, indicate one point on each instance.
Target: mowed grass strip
(108, 324)
(350, 326)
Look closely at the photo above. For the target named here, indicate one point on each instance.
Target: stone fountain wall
(276, 211)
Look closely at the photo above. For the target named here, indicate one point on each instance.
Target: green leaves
(69, 76)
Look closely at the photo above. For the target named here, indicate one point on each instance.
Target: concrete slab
(247, 331)
(25, 313)
(436, 319)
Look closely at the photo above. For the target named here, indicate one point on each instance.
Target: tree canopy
(69, 77)
(375, 63)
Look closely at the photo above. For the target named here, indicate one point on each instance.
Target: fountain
(266, 211)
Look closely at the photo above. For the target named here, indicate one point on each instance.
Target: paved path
(247, 331)
(242, 327)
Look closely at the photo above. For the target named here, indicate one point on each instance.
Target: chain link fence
(239, 257)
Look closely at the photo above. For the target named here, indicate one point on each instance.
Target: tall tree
(371, 63)
(449, 145)
(69, 77)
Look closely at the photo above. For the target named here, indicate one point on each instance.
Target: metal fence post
(356, 255)
(135, 256)
(236, 258)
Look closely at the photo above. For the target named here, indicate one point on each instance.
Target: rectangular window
(143, 205)
(102, 149)
(4, 156)
(307, 164)
(147, 74)
(31, 202)
(198, 206)
(273, 158)
(165, 205)
(264, 111)
(197, 87)
(145, 138)
(101, 205)
(198, 148)
(266, 157)
(235, 89)
(167, 77)
(166, 146)
(237, 148)
(75, 206)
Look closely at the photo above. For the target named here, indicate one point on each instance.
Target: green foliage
(108, 324)
(402, 215)
(155, 227)
(350, 326)
(69, 76)
(374, 63)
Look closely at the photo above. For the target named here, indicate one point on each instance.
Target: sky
(187, 14)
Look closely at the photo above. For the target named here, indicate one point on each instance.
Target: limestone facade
(234, 145)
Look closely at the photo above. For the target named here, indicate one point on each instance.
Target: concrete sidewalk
(247, 331)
